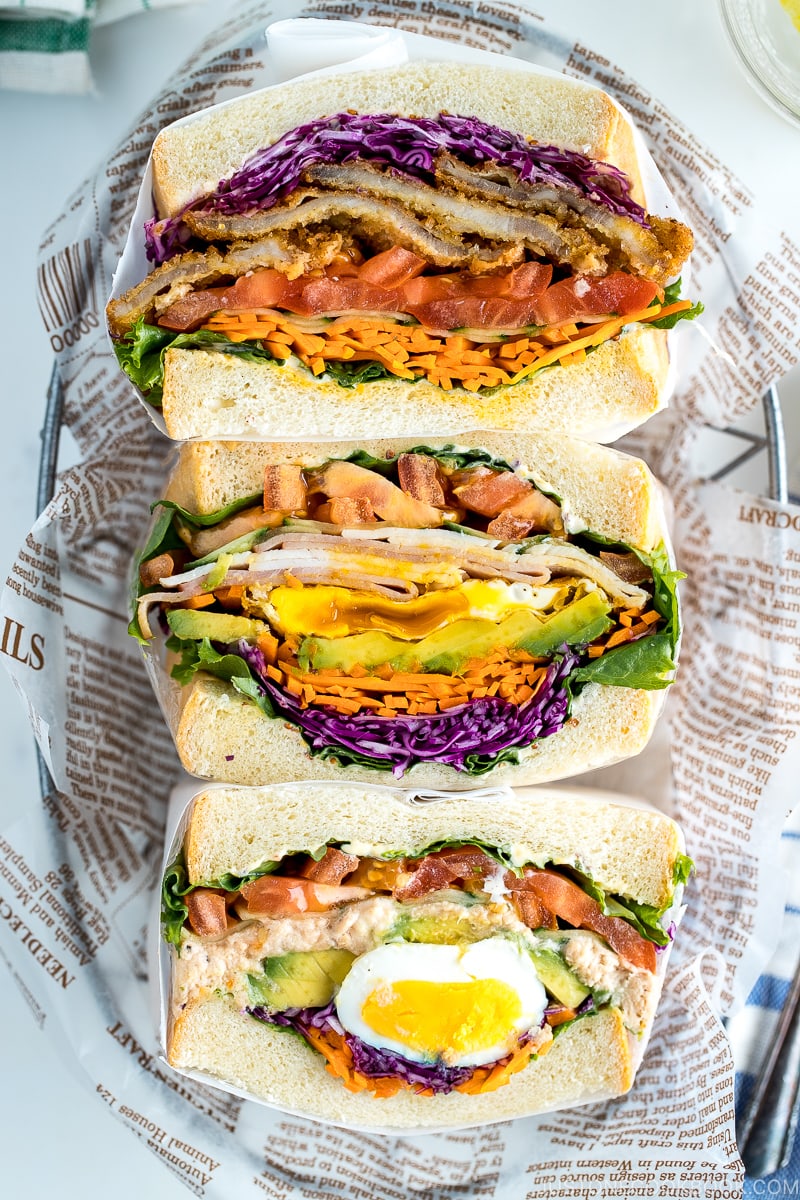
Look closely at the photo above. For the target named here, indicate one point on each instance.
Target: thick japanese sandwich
(452, 616)
(454, 246)
(341, 953)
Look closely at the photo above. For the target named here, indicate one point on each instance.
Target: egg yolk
(339, 611)
(447, 1020)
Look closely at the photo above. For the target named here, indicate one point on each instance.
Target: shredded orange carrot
(386, 692)
(632, 624)
(201, 601)
(339, 1062)
(489, 1078)
(410, 352)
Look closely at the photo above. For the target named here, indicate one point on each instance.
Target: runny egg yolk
(448, 1019)
(463, 1005)
(339, 611)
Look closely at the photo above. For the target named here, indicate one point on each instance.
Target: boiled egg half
(465, 1005)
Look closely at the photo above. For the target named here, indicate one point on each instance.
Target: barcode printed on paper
(67, 285)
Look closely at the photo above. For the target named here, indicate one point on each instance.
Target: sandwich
(455, 246)
(351, 957)
(447, 615)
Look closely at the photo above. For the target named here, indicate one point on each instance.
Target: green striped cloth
(44, 44)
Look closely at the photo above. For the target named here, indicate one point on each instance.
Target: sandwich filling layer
(361, 247)
(427, 608)
(445, 969)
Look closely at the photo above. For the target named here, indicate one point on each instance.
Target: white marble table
(55, 1136)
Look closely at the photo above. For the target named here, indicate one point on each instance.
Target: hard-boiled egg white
(327, 611)
(466, 1005)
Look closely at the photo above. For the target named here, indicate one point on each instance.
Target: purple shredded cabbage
(479, 729)
(410, 144)
(368, 1060)
(671, 928)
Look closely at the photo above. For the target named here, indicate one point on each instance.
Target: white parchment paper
(78, 875)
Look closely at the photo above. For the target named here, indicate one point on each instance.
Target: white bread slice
(600, 489)
(191, 157)
(222, 736)
(594, 1059)
(617, 387)
(628, 850)
(205, 394)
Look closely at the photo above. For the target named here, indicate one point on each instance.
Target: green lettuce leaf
(353, 374)
(645, 918)
(474, 764)
(201, 656)
(451, 458)
(650, 662)
(682, 869)
(175, 887)
(671, 295)
(141, 353)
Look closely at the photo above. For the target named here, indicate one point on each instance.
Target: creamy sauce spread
(206, 965)
(632, 991)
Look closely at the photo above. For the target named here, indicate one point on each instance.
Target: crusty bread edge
(190, 156)
(629, 850)
(593, 1060)
(601, 489)
(220, 735)
(618, 386)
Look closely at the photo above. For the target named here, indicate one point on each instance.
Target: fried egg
(465, 1005)
(338, 611)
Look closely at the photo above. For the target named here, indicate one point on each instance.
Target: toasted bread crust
(617, 387)
(601, 489)
(222, 736)
(591, 1060)
(190, 157)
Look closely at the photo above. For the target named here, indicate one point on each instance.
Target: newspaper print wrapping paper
(78, 876)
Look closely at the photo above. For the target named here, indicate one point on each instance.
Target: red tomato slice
(582, 296)
(474, 312)
(340, 295)
(392, 268)
(568, 901)
(262, 289)
(275, 896)
(528, 281)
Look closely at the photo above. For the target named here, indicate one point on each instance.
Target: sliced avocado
(190, 623)
(448, 649)
(558, 979)
(304, 979)
(440, 931)
(578, 623)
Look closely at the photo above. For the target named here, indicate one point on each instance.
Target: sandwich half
(452, 616)
(342, 954)
(454, 246)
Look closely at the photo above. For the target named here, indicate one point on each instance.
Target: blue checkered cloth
(751, 1030)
